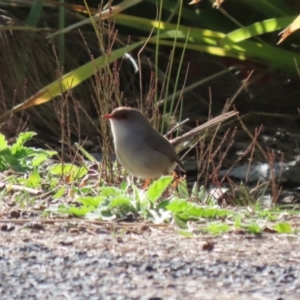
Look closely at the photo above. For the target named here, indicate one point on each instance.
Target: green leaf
(283, 227)
(85, 153)
(124, 185)
(35, 13)
(179, 222)
(214, 212)
(183, 190)
(209, 212)
(34, 179)
(110, 191)
(186, 233)
(119, 201)
(3, 142)
(156, 189)
(79, 211)
(216, 228)
(188, 210)
(255, 29)
(163, 204)
(11, 162)
(177, 205)
(59, 193)
(105, 215)
(38, 160)
(253, 228)
(91, 201)
(21, 139)
(85, 190)
(185, 209)
(237, 222)
(68, 169)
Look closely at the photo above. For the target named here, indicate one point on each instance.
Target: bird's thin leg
(146, 183)
(177, 179)
(130, 182)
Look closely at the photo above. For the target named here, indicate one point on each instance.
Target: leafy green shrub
(20, 158)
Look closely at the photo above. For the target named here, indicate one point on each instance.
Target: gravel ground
(85, 261)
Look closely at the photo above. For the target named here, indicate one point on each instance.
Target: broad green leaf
(283, 227)
(216, 228)
(68, 169)
(40, 158)
(163, 204)
(188, 210)
(3, 142)
(177, 205)
(184, 209)
(91, 201)
(72, 210)
(253, 228)
(156, 189)
(8, 161)
(214, 212)
(110, 191)
(34, 179)
(119, 201)
(21, 139)
(107, 215)
(80, 211)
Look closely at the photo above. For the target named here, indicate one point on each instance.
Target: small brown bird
(141, 150)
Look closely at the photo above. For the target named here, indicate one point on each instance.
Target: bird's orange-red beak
(107, 116)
